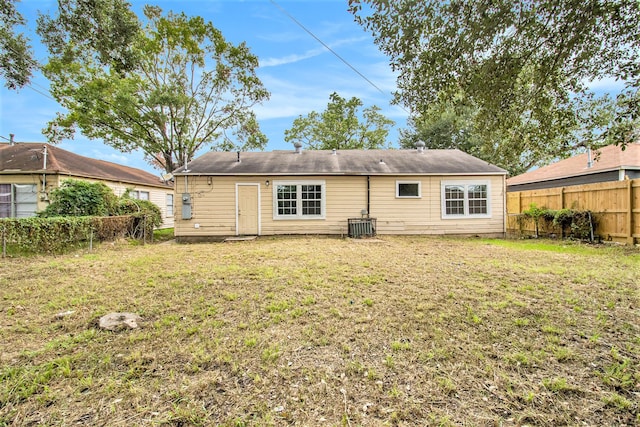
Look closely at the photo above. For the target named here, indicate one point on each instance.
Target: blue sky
(299, 72)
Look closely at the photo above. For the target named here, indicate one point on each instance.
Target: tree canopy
(523, 68)
(169, 86)
(16, 57)
(339, 127)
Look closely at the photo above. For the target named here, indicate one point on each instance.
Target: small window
(169, 205)
(408, 189)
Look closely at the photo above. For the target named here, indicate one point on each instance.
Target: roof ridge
(52, 158)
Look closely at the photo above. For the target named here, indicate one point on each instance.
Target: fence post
(629, 212)
(519, 202)
(4, 243)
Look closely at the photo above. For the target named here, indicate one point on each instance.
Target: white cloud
(292, 58)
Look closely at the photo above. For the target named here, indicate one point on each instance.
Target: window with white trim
(140, 195)
(298, 199)
(169, 204)
(408, 189)
(465, 199)
(18, 200)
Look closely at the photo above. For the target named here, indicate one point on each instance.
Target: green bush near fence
(572, 223)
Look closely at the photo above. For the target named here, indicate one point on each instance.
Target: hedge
(55, 234)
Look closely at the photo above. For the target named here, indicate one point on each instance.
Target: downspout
(186, 169)
(368, 195)
(505, 211)
(44, 174)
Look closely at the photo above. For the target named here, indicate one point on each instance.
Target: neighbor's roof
(605, 159)
(343, 162)
(28, 157)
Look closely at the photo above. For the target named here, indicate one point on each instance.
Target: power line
(327, 47)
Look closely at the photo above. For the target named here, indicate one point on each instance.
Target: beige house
(420, 191)
(29, 171)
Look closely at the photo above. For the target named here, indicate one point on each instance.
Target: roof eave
(590, 172)
(87, 176)
(503, 173)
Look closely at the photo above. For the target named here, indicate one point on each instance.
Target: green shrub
(79, 212)
(542, 218)
(140, 208)
(81, 198)
(57, 234)
(567, 222)
(575, 223)
(146, 214)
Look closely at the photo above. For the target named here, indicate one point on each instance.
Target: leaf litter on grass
(315, 331)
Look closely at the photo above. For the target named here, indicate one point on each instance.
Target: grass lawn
(318, 331)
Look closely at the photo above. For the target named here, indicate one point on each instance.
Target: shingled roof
(606, 159)
(27, 157)
(341, 162)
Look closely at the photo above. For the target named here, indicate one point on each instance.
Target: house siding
(156, 195)
(424, 215)
(213, 206)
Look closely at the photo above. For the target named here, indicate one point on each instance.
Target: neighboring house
(610, 163)
(29, 171)
(316, 192)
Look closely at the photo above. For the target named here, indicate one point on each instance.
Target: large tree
(168, 87)
(340, 127)
(524, 67)
(16, 57)
(455, 125)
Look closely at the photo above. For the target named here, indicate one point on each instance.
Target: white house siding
(213, 204)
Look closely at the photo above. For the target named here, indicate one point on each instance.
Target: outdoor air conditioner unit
(361, 227)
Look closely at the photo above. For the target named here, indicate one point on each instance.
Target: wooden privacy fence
(615, 206)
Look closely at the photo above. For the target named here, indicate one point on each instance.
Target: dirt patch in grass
(314, 331)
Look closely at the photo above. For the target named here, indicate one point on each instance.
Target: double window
(140, 195)
(18, 200)
(299, 199)
(465, 199)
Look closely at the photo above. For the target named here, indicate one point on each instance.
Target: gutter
(589, 172)
(368, 174)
